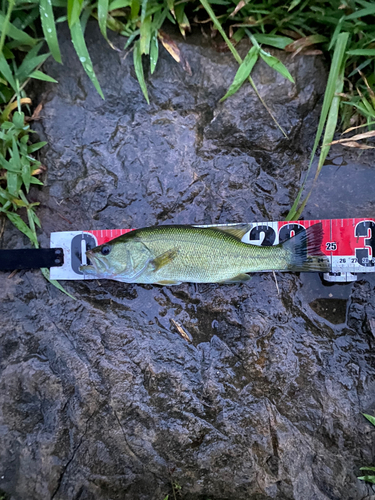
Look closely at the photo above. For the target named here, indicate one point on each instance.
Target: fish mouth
(98, 267)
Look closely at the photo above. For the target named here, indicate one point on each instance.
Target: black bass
(170, 255)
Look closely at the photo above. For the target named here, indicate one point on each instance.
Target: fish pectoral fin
(240, 278)
(168, 282)
(236, 230)
(164, 259)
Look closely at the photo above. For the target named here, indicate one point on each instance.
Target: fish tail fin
(305, 252)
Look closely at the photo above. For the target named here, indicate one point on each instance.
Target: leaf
(332, 118)
(16, 34)
(131, 38)
(367, 468)
(370, 418)
(36, 146)
(33, 180)
(336, 32)
(12, 182)
(243, 71)
(36, 219)
(39, 75)
(359, 126)
(119, 4)
(361, 52)
(55, 283)
(6, 165)
(358, 145)
(171, 47)
(360, 67)
(16, 220)
(280, 42)
(239, 6)
(134, 9)
(26, 176)
(74, 11)
(145, 39)
(362, 13)
(49, 28)
(137, 59)
(84, 56)
(306, 41)
(182, 20)
(277, 65)
(102, 16)
(294, 4)
(154, 52)
(7, 72)
(16, 155)
(31, 61)
(369, 479)
(356, 137)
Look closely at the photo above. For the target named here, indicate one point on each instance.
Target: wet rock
(102, 397)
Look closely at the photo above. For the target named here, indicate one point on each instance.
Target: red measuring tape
(349, 244)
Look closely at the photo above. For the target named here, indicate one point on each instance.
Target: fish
(173, 254)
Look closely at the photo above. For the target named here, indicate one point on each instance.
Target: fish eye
(105, 250)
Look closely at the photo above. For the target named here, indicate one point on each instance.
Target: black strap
(31, 258)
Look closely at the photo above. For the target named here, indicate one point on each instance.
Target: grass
(369, 478)
(344, 30)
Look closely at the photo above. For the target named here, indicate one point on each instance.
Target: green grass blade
(331, 120)
(16, 33)
(31, 61)
(369, 479)
(336, 33)
(16, 220)
(119, 4)
(336, 67)
(84, 56)
(7, 72)
(6, 25)
(154, 52)
(294, 4)
(15, 155)
(102, 16)
(368, 11)
(367, 468)
(137, 59)
(280, 42)
(49, 28)
(361, 52)
(134, 9)
(145, 35)
(55, 283)
(370, 418)
(144, 10)
(39, 75)
(243, 72)
(74, 11)
(131, 38)
(277, 65)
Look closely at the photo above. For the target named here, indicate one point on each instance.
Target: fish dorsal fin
(164, 258)
(240, 278)
(236, 230)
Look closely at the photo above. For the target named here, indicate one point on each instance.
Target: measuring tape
(348, 243)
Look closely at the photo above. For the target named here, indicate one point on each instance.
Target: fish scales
(207, 255)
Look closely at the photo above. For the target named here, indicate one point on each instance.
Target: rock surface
(101, 398)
